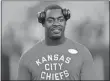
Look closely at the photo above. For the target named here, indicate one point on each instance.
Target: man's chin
(55, 37)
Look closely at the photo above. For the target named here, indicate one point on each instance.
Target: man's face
(54, 23)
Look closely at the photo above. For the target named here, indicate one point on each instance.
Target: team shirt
(67, 61)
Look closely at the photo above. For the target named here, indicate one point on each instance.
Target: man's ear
(43, 24)
(65, 22)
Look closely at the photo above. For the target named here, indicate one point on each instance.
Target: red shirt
(67, 61)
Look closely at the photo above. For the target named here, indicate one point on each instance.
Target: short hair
(53, 6)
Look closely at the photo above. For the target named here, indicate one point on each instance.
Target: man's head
(54, 18)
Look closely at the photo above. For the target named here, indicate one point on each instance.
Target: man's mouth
(56, 31)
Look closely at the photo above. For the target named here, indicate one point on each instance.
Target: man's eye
(61, 20)
(50, 21)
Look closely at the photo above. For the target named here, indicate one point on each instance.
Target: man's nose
(56, 22)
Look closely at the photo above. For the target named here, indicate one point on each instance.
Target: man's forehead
(54, 13)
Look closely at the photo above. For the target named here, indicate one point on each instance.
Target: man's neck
(53, 42)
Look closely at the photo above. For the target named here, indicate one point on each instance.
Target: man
(56, 57)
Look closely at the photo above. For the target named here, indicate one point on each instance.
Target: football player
(56, 57)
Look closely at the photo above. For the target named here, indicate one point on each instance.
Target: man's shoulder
(76, 44)
(29, 52)
(81, 48)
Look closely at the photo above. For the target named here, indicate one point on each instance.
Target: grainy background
(89, 25)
